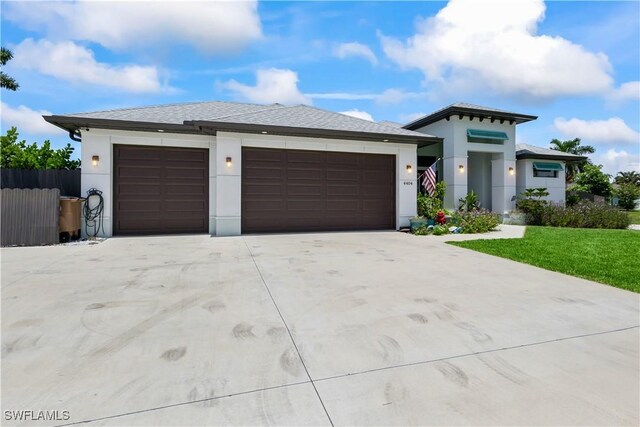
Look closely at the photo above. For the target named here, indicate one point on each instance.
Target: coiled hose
(93, 212)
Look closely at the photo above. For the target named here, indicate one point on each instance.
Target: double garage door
(165, 190)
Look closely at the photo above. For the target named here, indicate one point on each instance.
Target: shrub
(478, 221)
(583, 215)
(470, 202)
(429, 206)
(439, 230)
(627, 195)
(421, 231)
(532, 205)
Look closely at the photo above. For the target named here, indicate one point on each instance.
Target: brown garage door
(160, 190)
(297, 190)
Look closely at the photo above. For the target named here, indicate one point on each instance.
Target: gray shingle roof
(390, 123)
(298, 116)
(468, 109)
(177, 113)
(526, 150)
(304, 116)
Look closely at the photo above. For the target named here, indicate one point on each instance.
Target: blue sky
(574, 64)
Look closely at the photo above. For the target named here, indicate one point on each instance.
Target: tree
(593, 180)
(573, 146)
(20, 155)
(627, 195)
(6, 81)
(631, 177)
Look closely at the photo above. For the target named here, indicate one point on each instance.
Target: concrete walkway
(313, 329)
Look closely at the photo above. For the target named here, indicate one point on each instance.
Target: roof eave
(473, 112)
(213, 126)
(530, 155)
(73, 123)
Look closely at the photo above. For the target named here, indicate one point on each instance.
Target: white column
(503, 184)
(456, 180)
(406, 192)
(228, 185)
(98, 176)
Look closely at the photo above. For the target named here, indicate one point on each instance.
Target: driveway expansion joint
(476, 353)
(264, 282)
(174, 405)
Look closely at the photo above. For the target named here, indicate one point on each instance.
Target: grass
(635, 217)
(605, 256)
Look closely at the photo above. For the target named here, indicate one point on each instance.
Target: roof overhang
(472, 113)
(213, 127)
(538, 156)
(73, 124)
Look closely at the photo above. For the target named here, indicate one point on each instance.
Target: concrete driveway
(346, 328)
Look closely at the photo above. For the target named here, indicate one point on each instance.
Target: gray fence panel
(68, 181)
(29, 217)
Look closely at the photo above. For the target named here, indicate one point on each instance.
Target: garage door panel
(316, 191)
(160, 190)
(141, 171)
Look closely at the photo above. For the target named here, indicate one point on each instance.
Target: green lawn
(606, 256)
(635, 217)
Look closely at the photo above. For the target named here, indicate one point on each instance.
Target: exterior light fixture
(409, 169)
(385, 140)
(95, 160)
(461, 168)
(264, 132)
(512, 171)
(229, 162)
(160, 130)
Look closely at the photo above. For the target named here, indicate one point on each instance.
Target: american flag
(429, 180)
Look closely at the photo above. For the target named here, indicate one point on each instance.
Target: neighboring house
(230, 168)
(543, 168)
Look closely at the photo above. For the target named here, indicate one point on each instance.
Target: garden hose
(93, 212)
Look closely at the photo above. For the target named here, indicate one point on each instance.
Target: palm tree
(573, 146)
(6, 81)
(631, 177)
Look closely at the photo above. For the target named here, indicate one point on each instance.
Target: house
(543, 168)
(228, 168)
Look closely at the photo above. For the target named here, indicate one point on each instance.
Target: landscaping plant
(478, 221)
(627, 195)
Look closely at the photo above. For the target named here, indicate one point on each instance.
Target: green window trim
(486, 136)
(547, 166)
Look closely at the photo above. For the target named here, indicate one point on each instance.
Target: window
(486, 136)
(546, 170)
(545, 173)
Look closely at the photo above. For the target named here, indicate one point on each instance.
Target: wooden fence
(29, 217)
(68, 181)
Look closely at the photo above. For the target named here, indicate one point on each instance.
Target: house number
(408, 183)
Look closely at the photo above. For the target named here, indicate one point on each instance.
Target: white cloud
(614, 161)
(598, 131)
(355, 49)
(397, 96)
(389, 96)
(210, 26)
(345, 96)
(77, 64)
(272, 85)
(358, 114)
(27, 120)
(493, 45)
(629, 91)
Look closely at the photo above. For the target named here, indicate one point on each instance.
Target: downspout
(75, 135)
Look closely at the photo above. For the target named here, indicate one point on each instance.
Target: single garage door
(298, 190)
(160, 190)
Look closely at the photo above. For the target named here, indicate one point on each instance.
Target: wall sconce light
(409, 169)
(461, 168)
(512, 171)
(229, 162)
(95, 160)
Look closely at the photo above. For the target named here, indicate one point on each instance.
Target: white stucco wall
(455, 153)
(225, 189)
(555, 186)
